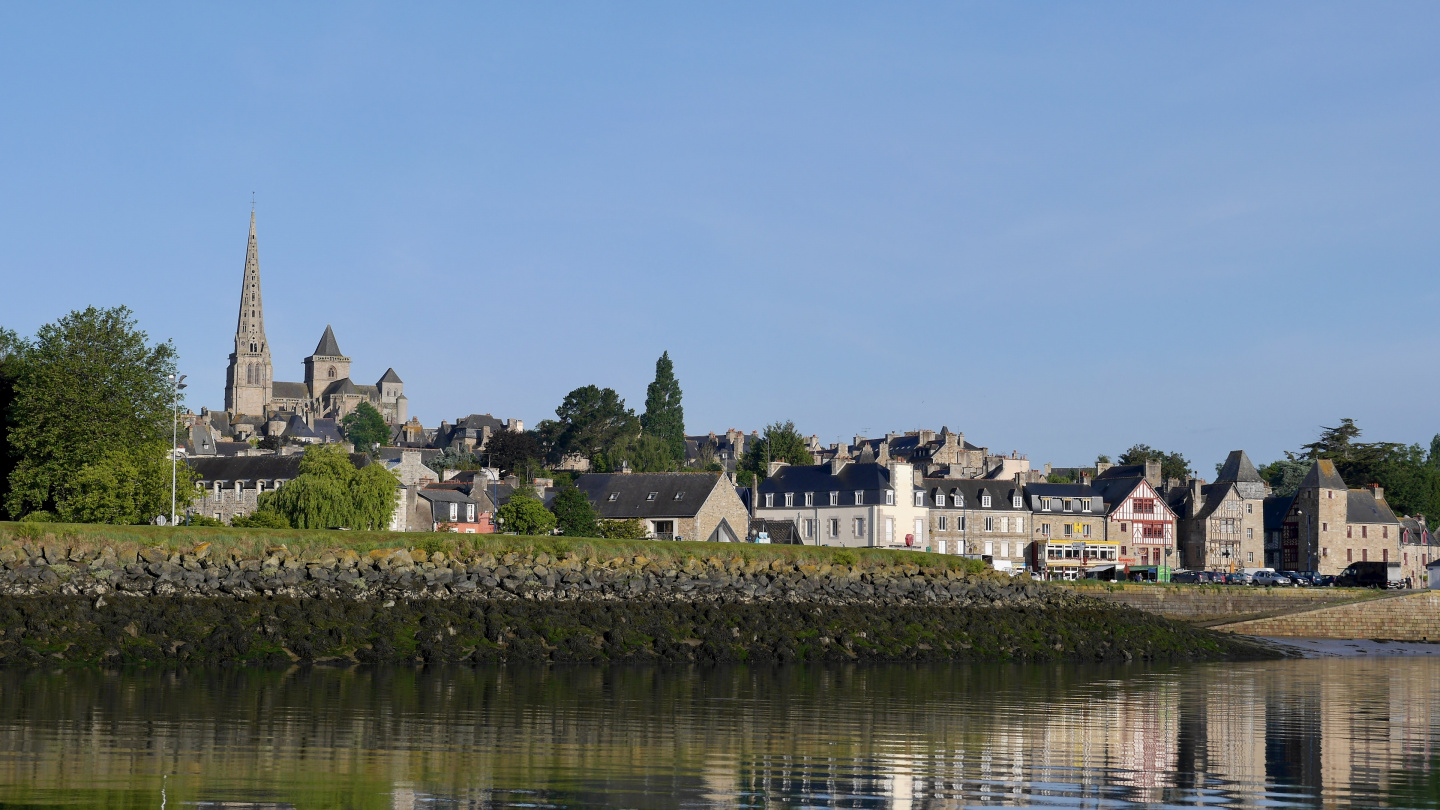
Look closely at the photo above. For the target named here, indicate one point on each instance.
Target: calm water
(1334, 732)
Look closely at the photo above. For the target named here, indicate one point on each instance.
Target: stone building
(702, 506)
(1327, 525)
(1221, 526)
(1418, 548)
(251, 390)
(847, 503)
(230, 487)
(980, 517)
(935, 454)
(1068, 527)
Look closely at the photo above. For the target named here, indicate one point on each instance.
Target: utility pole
(179, 383)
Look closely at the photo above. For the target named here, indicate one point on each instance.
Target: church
(327, 392)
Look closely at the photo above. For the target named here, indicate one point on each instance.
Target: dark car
(1324, 581)
(1370, 575)
(1304, 578)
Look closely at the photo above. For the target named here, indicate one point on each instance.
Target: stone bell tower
(250, 379)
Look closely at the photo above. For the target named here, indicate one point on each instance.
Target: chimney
(1101, 467)
(890, 437)
(927, 436)
(1197, 496)
(1378, 491)
(773, 466)
(1152, 473)
(1085, 477)
(624, 468)
(838, 463)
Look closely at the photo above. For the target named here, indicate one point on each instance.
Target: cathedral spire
(248, 384)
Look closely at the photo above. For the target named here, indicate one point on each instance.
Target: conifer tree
(664, 416)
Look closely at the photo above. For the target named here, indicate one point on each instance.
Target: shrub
(202, 520)
(633, 529)
(262, 519)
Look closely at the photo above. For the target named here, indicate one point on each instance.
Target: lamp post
(179, 384)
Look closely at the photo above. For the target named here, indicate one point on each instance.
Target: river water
(1335, 732)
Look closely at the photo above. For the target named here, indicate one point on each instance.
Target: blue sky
(1061, 229)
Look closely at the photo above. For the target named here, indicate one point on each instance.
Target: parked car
(1371, 575)
(1269, 578)
(1185, 576)
(1238, 578)
(1324, 580)
(1300, 578)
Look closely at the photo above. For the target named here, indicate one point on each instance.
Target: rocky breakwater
(96, 605)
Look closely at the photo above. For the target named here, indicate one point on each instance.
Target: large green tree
(330, 492)
(781, 441)
(1284, 475)
(89, 385)
(664, 416)
(365, 428)
(126, 487)
(525, 514)
(1172, 465)
(11, 358)
(514, 450)
(573, 513)
(589, 421)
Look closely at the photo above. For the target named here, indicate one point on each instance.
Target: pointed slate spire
(1323, 475)
(327, 347)
(1237, 468)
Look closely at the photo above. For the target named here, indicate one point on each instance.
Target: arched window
(331, 373)
(249, 374)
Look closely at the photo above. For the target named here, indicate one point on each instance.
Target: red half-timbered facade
(1139, 520)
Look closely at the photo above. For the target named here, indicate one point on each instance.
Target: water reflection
(1333, 733)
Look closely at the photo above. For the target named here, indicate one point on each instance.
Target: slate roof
(289, 390)
(676, 495)
(476, 421)
(389, 377)
(1361, 506)
(1114, 490)
(327, 347)
(342, 386)
(329, 431)
(971, 490)
(224, 448)
(388, 453)
(866, 476)
(1122, 471)
(246, 468)
(445, 495)
(1237, 467)
(1276, 508)
(1323, 475)
(299, 430)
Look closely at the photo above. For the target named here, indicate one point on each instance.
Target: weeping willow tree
(330, 493)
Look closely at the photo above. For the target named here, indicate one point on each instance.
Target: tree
(124, 487)
(525, 514)
(11, 358)
(365, 428)
(89, 385)
(1284, 475)
(644, 453)
(573, 513)
(330, 492)
(664, 416)
(259, 520)
(1172, 465)
(512, 450)
(589, 421)
(1334, 442)
(781, 441)
(633, 529)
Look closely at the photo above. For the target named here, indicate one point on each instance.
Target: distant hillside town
(919, 489)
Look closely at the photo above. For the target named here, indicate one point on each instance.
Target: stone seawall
(1211, 604)
(159, 606)
(1407, 617)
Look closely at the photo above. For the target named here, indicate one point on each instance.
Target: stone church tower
(250, 379)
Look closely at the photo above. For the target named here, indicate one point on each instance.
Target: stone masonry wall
(1410, 617)
(1203, 604)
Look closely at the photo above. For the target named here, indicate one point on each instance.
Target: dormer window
(919, 499)
(1085, 505)
(1015, 502)
(939, 499)
(1069, 505)
(859, 497)
(680, 496)
(809, 499)
(985, 501)
(769, 500)
(889, 497)
(834, 499)
(789, 499)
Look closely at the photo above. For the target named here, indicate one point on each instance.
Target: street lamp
(179, 385)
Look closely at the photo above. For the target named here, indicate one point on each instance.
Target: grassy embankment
(252, 543)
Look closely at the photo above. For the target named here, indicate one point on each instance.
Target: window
(1324, 552)
(834, 527)
(943, 524)
(989, 548)
(1045, 504)
(1123, 550)
(454, 508)
(1005, 525)
(1069, 505)
(834, 499)
(789, 499)
(1349, 555)
(989, 524)
(469, 513)
(653, 495)
(1329, 493)
(1250, 510)
(959, 501)
(1015, 502)
(985, 501)
(613, 497)
(1144, 506)
(809, 527)
(919, 499)
(331, 373)
(679, 496)
(1364, 555)
(809, 499)
(1250, 555)
(859, 497)
(1084, 504)
(889, 529)
(1124, 528)
(1152, 532)
(1384, 532)
(1085, 530)
(1349, 531)
(1067, 529)
(859, 527)
(769, 500)
(1019, 524)
(1250, 535)
(1364, 531)
(960, 523)
(1384, 555)
(889, 497)
(1045, 530)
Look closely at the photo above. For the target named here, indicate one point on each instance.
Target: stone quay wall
(388, 574)
(1407, 617)
(1210, 604)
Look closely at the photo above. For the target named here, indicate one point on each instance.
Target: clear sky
(1061, 229)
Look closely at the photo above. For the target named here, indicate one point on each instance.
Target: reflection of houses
(674, 506)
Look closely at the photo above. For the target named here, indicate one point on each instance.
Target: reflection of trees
(884, 736)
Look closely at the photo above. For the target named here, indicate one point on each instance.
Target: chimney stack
(1379, 491)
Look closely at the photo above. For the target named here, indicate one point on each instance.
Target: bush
(846, 557)
(202, 520)
(633, 529)
(40, 516)
(262, 519)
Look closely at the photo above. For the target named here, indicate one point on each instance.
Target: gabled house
(847, 503)
(1418, 548)
(1221, 526)
(450, 509)
(1137, 518)
(674, 506)
(1328, 526)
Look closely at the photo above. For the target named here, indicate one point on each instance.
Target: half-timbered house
(1137, 517)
